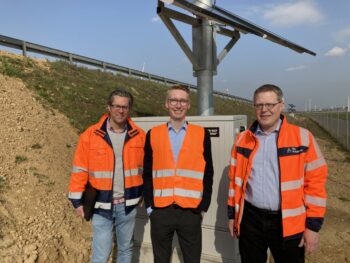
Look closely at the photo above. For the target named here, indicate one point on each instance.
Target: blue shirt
(176, 139)
(263, 186)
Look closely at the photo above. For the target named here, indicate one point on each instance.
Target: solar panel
(227, 18)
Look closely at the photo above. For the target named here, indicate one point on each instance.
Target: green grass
(80, 93)
(317, 130)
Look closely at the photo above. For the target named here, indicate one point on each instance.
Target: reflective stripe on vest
(291, 185)
(238, 181)
(101, 174)
(102, 205)
(162, 173)
(73, 195)
(131, 202)
(314, 200)
(133, 172)
(231, 192)
(77, 169)
(293, 212)
(233, 162)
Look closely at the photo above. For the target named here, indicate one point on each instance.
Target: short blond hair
(178, 87)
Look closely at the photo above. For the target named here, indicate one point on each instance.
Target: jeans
(103, 235)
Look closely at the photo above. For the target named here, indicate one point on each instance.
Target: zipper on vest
(279, 176)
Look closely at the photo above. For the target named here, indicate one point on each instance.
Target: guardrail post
(129, 70)
(104, 66)
(70, 58)
(338, 126)
(24, 48)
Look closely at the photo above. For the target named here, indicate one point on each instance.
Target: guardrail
(56, 53)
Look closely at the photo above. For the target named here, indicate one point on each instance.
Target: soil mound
(37, 221)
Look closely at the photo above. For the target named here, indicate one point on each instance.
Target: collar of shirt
(184, 127)
(259, 131)
(110, 128)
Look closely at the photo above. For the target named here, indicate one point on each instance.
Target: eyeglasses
(268, 106)
(119, 107)
(174, 102)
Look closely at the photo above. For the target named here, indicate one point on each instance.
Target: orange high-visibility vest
(303, 173)
(180, 183)
(94, 162)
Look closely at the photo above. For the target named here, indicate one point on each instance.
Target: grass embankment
(317, 130)
(80, 93)
(341, 115)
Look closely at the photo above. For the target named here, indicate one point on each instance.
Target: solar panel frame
(223, 16)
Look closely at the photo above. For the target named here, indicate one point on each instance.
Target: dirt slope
(37, 223)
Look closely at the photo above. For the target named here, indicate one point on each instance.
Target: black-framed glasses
(268, 106)
(174, 102)
(119, 107)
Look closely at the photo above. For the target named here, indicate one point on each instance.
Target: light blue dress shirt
(263, 186)
(176, 139)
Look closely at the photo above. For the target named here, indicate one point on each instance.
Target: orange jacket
(303, 173)
(180, 183)
(94, 162)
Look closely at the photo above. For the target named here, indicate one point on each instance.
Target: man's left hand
(309, 240)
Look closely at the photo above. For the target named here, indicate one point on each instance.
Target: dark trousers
(186, 223)
(261, 230)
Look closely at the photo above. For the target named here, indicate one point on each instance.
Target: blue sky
(129, 33)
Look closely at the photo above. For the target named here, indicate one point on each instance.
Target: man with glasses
(277, 196)
(109, 157)
(178, 178)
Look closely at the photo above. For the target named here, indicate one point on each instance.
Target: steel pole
(205, 72)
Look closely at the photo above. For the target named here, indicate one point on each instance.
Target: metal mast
(207, 20)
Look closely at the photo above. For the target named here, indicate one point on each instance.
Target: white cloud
(342, 35)
(293, 14)
(336, 52)
(155, 19)
(301, 67)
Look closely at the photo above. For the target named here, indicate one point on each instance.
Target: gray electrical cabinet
(217, 245)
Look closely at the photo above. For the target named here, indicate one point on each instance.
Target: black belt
(173, 205)
(261, 210)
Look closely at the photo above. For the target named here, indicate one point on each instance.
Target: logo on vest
(294, 150)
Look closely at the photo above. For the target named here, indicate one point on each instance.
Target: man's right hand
(231, 227)
(80, 211)
(149, 210)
